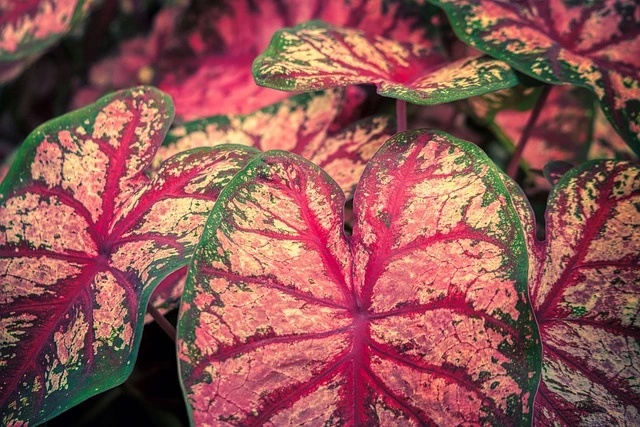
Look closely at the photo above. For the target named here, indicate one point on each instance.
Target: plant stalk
(162, 322)
(401, 115)
(512, 169)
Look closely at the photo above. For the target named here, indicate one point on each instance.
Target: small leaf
(421, 317)
(86, 236)
(594, 44)
(553, 171)
(201, 55)
(316, 56)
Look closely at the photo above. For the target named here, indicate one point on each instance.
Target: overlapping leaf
(202, 56)
(85, 238)
(585, 287)
(420, 317)
(316, 56)
(301, 125)
(595, 44)
(27, 27)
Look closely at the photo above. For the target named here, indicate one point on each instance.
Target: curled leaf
(316, 56)
(421, 317)
(86, 236)
(594, 44)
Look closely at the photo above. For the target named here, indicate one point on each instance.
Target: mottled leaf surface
(302, 125)
(86, 236)
(420, 317)
(595, 44)
(585, 288)
(202, 55)
(316, 56)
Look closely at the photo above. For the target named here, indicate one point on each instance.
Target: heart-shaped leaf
(86, 236)
(420, 317)
(585, 288)
(316, 56)
(595, 44)
(202, 56)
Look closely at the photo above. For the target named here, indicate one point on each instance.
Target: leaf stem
(162, 322)
(512, 169)
(401, 115)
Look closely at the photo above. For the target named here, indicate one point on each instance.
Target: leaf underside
(416, 318)
(595, 44)
(86, 236)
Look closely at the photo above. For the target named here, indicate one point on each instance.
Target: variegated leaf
(595, 44)
(421, 317)
(28, 27)
(316, 56)
(585, 286)
(86, 236)
(300, 125)
(585, 294)
(202, 56)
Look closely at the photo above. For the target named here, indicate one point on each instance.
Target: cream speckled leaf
(316, 56)
(585, 287)
(419, 318)
(590, 43)
(28, 27)
(86, 236)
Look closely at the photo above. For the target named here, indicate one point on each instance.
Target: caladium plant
(202, 53)
(584, 283)
(421, 298)
(316, 55)
(301, 124)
